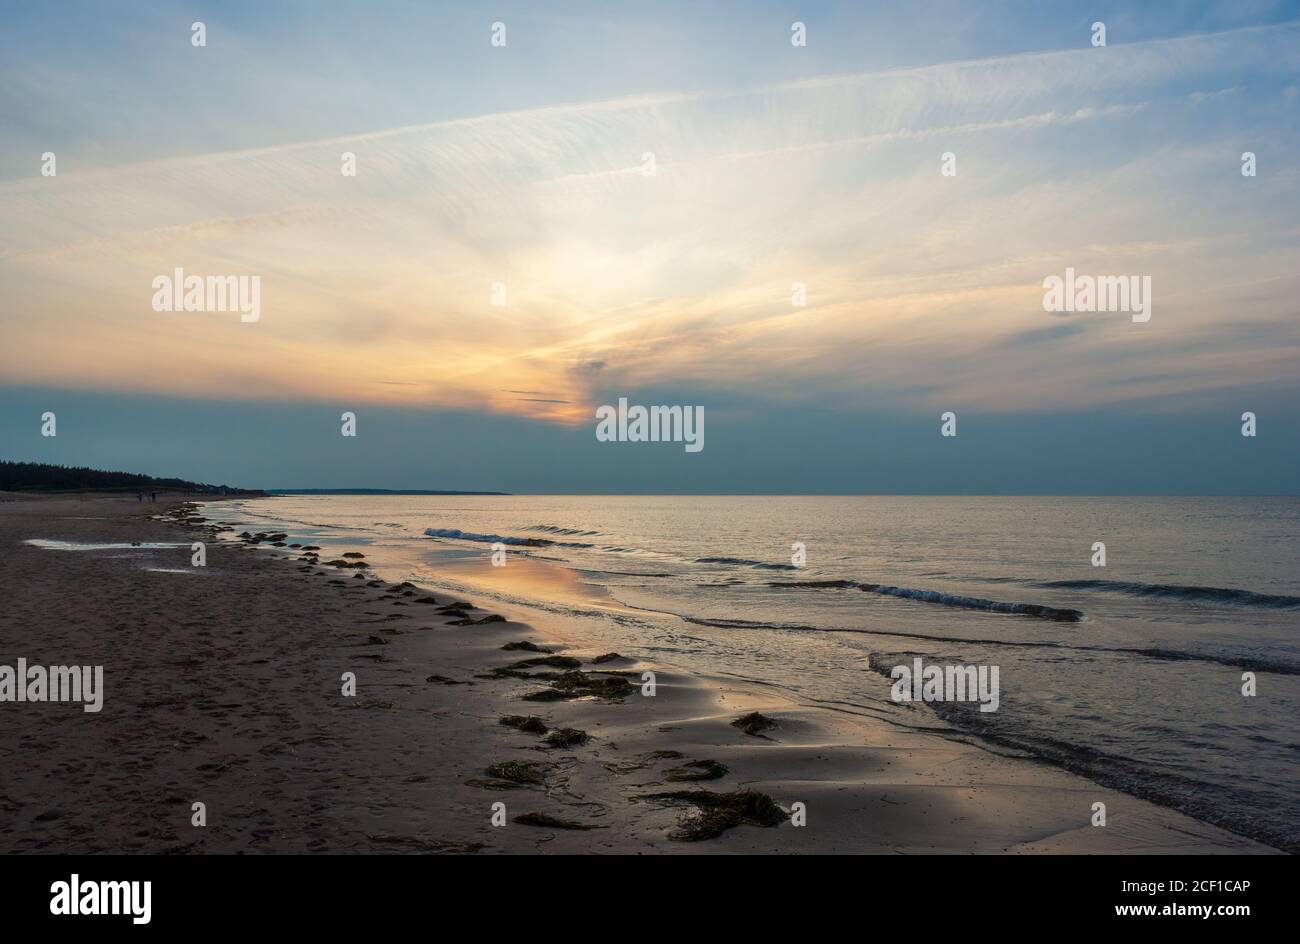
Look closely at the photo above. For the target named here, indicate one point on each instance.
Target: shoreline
(223, 687)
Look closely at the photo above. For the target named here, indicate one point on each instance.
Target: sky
(518, 174)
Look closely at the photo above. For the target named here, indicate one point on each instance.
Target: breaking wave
(943, 599)
(459, 535)
(1191, 593)
(568, 532)
(742, 562)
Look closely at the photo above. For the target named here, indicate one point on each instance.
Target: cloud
(922, 289)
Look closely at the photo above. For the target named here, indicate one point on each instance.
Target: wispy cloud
(923, 290)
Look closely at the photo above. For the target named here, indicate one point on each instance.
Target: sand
(223, 686)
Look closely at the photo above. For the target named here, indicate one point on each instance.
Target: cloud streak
(924, 290)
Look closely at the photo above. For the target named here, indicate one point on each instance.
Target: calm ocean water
(1130, 674)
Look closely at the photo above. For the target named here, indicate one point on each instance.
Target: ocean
(1129, 674)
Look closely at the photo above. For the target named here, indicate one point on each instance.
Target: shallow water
(1129, 674)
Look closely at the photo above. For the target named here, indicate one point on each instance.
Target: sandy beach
(223, 686)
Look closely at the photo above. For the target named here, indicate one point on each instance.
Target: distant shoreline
(371, 491)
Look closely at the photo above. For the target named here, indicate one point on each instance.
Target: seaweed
(718, 812)
(577, 684)
(753, 723)
(525, 645)
(443, 679)
(557, 662)
(529, 723)
(517, 771)
(573, 684)
(551, 822)
(490, 618)
(546, 694)
(696, 770)
(566, 737)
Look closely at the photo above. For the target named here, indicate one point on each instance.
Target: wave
(1251, 663)
(1179, 591)
(1186, 794)
(568, 532)
(459, 535)
(814, 584)
(976, 603)
(743, 562)
(1035, 610)
(601, 572)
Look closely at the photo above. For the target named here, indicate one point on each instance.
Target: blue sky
(524, 165)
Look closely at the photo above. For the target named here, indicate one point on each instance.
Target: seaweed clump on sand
(696, 770)
(605, 657)
(555, 662)
(551, 822)
(546, 694)
(516, 771)
(753, 723)
(718, 812)
(529, 723)
(467, 621)
(566, 737)
(576, 684)
(525, 645)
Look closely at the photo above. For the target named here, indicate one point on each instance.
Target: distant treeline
(39, 477)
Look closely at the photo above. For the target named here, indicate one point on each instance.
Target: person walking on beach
(153, 496)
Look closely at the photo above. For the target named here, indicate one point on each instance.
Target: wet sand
(223, 686)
